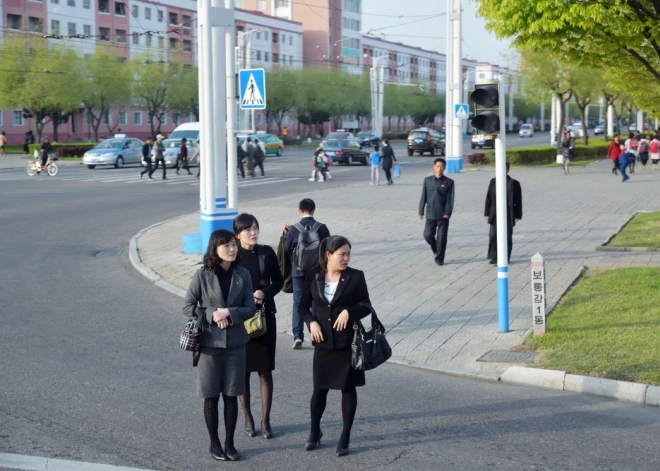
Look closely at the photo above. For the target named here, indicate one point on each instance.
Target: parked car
(339, 134)
(345, 151)
(173, 147)
(526, 130)
(118, 151)
(482, 140)
(271, 143)
(368, 139)
(426, 140)
(599, 129)
(576, 129)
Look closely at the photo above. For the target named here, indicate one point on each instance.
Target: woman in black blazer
(267, 281)
(338, 294)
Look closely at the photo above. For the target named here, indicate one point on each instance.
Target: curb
(609, 248)
(144, 270)
(637, 393)
(446, 370)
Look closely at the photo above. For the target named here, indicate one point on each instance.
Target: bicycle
(34, 166)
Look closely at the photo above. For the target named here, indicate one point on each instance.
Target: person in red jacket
(613, 153)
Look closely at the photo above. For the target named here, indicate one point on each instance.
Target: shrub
(67, 150)
(478, 158)
(548, 154)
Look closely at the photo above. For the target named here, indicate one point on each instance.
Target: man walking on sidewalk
(301, 243)
(513, 212)
(438, 200)
(146, 158)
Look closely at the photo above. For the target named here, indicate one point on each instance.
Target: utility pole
(542, 113)
(454, 87)
(610, 120)
(510, 91)
(553, 120)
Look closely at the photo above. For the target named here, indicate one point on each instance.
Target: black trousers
(148, 170)
(388, 174)
(435, 234)
(241, 167)
(183, 164)
(260, 164)
(158, 162)
(492, 241)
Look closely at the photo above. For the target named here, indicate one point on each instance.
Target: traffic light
(486, 98)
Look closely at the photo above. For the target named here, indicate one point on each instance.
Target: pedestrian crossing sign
(252, 86)
(461, 111)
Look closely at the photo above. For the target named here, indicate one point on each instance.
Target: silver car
(172, 149)
(117, 151)
(526, 130)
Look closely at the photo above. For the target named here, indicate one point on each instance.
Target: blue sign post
(461, 111)
(252, 86)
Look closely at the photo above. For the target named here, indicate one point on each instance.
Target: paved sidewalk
(446, 317)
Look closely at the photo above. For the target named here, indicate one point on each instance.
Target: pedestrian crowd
(637, 147)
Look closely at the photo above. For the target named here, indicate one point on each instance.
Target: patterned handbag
(369, 349)
(191, 337)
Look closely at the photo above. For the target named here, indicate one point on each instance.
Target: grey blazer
(204, 296)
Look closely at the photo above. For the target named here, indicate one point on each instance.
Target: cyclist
(46, 149)
(569, 148)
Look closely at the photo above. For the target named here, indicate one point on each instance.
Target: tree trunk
(582, 112)
(153, 133)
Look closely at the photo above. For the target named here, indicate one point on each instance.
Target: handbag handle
(376, 324)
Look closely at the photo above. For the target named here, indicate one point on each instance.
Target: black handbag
(369, 349)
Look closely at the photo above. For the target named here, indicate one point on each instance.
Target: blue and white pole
(215, 27)
(454, 90)
(501, 210)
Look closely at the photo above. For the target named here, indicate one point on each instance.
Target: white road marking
(36, 463)
(266, 183)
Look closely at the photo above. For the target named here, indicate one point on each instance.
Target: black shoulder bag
(369, 349)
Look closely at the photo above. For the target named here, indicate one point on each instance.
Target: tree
(310, 99)
(281, 94)
(106, 83)
(184, 80)
(41, 80)
(152, 80)
(425, 106)
(585, 83)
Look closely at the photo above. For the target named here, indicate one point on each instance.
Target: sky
(475, 35)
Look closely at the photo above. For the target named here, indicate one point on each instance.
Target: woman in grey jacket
(221, 293)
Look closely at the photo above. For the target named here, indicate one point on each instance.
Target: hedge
(67, 150)
(548, 154)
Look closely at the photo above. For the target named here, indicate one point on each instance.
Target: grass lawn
(642, 231)
(574, 163)
(608, 325)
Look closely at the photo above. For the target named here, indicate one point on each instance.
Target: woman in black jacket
(261, 262)
(339, 294)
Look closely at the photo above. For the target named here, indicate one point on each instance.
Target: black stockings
(230, 415)
(266, 380)
(348, 408)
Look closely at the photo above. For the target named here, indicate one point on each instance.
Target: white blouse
(329, 290)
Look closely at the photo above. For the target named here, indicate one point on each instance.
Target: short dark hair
(630, 135)
(330, 244)
(508, 165)
(256, 140)
(386, 140)
(376, 148)
(307, 205)
(220, 237)
(440, 159)
(243, 222)
(184, 140)
(249, 139)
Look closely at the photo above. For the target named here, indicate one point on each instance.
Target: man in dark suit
(513, 210)
(438, 198)
(306, 209)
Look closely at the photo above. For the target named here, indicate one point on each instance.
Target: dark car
(368, 139)
(339, 134)
(346, 151)
(426, 140)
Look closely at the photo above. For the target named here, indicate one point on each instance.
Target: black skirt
(333, 370)
(261, 350)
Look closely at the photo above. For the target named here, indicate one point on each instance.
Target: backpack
(643, 146)
(633, 144)
(306, 253)
(654, 146)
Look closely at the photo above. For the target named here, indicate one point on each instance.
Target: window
(0, 117)
(185, 19)
(187, 45)
(107, 118)
(284, 120)
(161, 16)
(174, 44)
(71, 29)
(104, 6)
(275, 38)
(71, 3)
(265, 56)
(54, 27)
(163, 119)
(261, 5)
(87, 30)
(258, 55)
(259, 35)
(175, 118)
(161, 42)
(136, 38)
(120, 9)
(34, 24)
(276, 58)
(283, 38)
(123, 118)
(17, 118)
(56, 2)
(148, 40)
(290, 60)
(137, 118)
(281, 3)
(136, 11)
(88, 118)
(147, 13)
(259, 119)
(104, 34)
(174, 18)
(120, 35)
(86, 4)
(290, 40)
(266, 35)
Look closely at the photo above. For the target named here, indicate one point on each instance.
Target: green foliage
(281, 94)
(151, 82)
(548, 154)
(184, 83)
(66, 150)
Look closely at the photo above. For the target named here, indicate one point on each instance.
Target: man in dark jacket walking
(183, 157)
(438, 199)
(386, 160)
(251, 156)
(240, 156)
(146, 158)
(513, 213)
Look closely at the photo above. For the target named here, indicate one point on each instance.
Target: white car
(526, 130)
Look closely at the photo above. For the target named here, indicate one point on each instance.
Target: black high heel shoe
(266, 432)
(309, 446)
(217, 453)
(250, 432)
(342, 447)
(231, 453)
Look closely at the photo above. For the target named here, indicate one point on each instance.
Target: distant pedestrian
(388, 160)
(375, 166)
(318, 166)
(327, 163)
(624, 160)
(301, 243)
(513, 213)
(632, 145)
(3, 142)
(221, 294)
(183, 157)
(613, 153)
(146, 158)
(46, 149)
(26, 143)
(159, 156)
(644, 147)
(259, 156)
(31, 139)
(438, 202)
(251, 156)
(654, 148)
(261, 262)
(240, 157)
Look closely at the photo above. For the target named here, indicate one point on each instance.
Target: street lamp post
(454, 87)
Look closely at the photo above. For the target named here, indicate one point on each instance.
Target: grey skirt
(221, 371)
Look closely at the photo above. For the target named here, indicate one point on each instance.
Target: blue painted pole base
(192, 243)
(223, 218)
(454, 164)
(503, 298)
